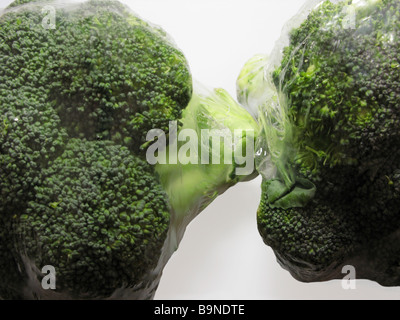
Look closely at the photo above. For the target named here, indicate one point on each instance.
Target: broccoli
(108, 76)
(77, 189)
(217, 113)
(97, 208)
(329, 107)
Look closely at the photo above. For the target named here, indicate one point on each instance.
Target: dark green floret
(30, 137)
(99, 215)
(314, 237)
(107, 74)
(342, 86)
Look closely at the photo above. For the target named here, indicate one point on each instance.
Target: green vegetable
(77, 190)
(100, 217)
(209, 174)
(330, 116)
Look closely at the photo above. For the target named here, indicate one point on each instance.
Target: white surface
(222, 255)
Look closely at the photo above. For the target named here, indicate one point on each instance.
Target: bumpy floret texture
(99, 215)
(106, 73)
(76, 103)
(341, 83)
(335, 229)
(30, 137)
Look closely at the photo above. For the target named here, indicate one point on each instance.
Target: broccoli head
(330, 113)
(78, 99)
(76, 103)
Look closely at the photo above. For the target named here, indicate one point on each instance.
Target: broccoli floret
(313, 238)
(314, 241)
(330, 118)
(342, 86)
(99, 215)
(107, 73)
(30, 137)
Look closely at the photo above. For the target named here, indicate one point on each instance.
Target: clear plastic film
(212, 151)
(100, 132)
(327, 100)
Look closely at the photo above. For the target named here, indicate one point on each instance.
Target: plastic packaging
(88, 94)
(327, 100)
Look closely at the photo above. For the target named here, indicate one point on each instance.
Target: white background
(222, 255)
